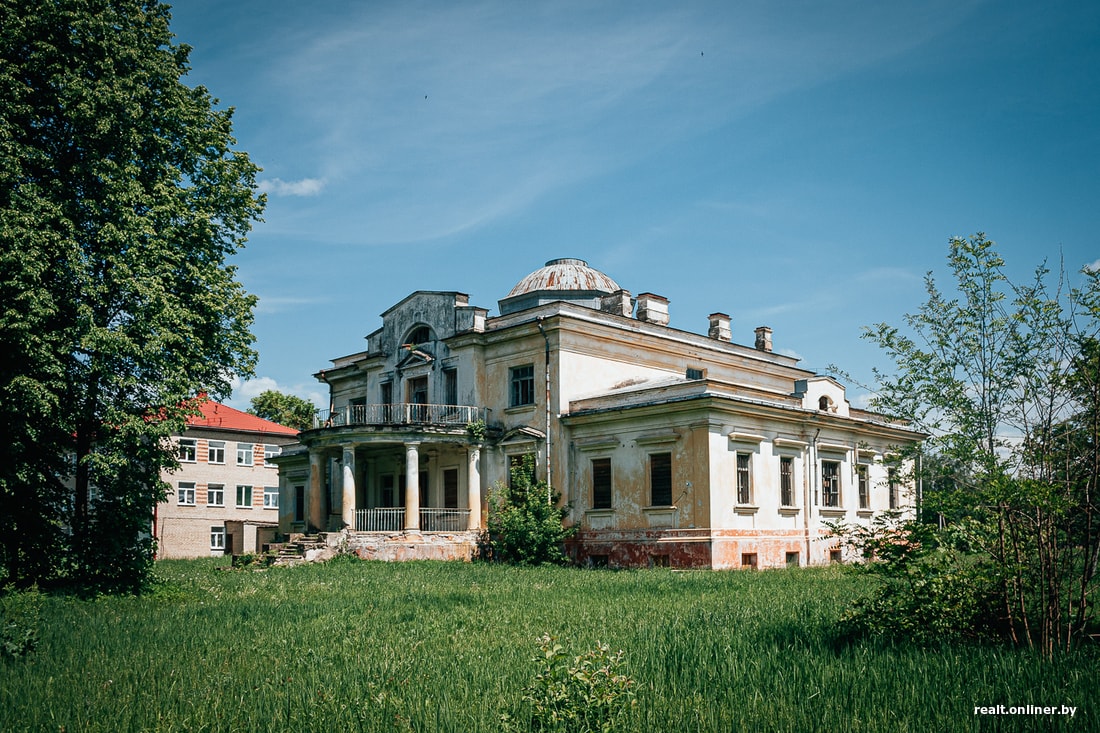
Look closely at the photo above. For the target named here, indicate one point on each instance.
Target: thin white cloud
(302, 187)
(245, 389)
(1093, 266)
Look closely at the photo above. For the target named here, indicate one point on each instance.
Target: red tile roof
(224, 417)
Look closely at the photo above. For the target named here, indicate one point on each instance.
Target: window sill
(600, 512)
(746, 509)
(657, 508)
(518, 409)
(789, 511)
(864, 512)
(832, 511)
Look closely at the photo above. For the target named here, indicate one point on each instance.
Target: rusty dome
(566, 273)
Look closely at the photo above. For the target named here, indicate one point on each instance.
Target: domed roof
(565, 274)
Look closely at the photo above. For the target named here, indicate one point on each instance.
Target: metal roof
(565, 273)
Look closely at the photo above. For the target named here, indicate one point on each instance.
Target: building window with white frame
(217, 538)
(786, 481)
(522, 380)
(744, 478)
(244, 497)
(830, 483)
(215, 451)
(244, 454)
(270, 452)
(188, 450)
(215, 495)
(864, 486)
(185, 493)
(271, 497)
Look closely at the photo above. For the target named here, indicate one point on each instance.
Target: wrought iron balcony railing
(401, 413)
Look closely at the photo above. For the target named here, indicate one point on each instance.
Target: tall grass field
(360, 646)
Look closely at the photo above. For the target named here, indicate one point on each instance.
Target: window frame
(665, 459)
(863, 481)
(271, 491)
(247, 451)
(247, 492)
(188, 450)
(521, 389)
(893, 488)
(215, 488)
(602, 482)
(271, 450)
(215, 452)
(830, 485)
(743, 471)
(786, 481)
(181, 488)
(217, 537)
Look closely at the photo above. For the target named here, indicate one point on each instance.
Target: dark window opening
(523, 386)
(830, 483)
(744, 479)
(450, 488)
(660, 479)
(748, 560)
(601, 483)
(786, 481)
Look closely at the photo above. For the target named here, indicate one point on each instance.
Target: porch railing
(400, 413)
(392, 519)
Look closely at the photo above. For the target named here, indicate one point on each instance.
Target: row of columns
(316, 497)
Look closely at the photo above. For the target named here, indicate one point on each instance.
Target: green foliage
(19, 619)
(285, 409)
(1005, 379)
(121, 199)
(426, 646)
(588, 694)
(477, 430)
(524, 525)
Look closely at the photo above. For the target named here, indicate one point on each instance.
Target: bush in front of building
(524, 526)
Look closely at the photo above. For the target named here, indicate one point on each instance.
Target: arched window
(419, 335)
(824, 403)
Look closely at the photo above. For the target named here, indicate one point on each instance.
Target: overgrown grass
(361, 646)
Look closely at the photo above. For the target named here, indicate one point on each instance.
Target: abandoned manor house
(669, 448)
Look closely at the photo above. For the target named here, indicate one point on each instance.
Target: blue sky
(799, 165)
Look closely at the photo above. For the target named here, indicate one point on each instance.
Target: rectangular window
(836, 556)
(792, 560)
(271, 497)
(188, 450)
(271, 451)
(748, 560)
(215, 451)
(185, 493)
(450, 488)
(660, 479)
(215, 495)
(217, 538)
(830, 483)
(786, 481)
(893, 479)
(450, 386)
(244, 454)
(523, 386)
(693, 373)
(864, 486)
(601, 483)
(244, 496)
(744, 479)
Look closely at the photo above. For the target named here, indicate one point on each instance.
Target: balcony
(400, 414)
(393, 520)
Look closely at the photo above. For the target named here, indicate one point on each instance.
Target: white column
(473, 486)
(347, 503)
(412, 487)
(314, 492)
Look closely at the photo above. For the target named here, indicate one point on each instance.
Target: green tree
(1003, 378)
(285, 409)
(121, 199)
(524, 525)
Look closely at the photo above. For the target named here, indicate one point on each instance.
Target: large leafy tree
(121, 199)
(285, 409)
(1003, 377)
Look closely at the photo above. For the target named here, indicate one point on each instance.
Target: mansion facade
(669, 448)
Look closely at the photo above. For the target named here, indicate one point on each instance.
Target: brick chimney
(719, 326)
(764, 338)
(653, 309)
(618, 303)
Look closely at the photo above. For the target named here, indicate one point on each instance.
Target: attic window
(693, 373)
(419, 335)
(824, 403)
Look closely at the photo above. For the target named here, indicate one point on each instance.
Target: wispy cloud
(245, 389)
(301, 187)
(1093, 266)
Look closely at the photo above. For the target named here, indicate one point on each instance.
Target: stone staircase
(300, 548)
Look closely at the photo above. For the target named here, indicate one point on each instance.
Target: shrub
(19, 611)
(589, 693)
(525, 522)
